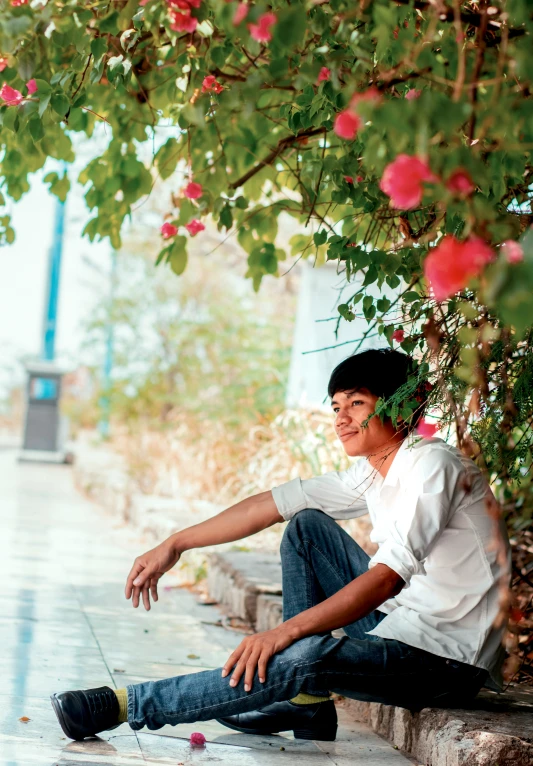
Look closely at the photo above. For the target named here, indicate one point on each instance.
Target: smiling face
(351, 409)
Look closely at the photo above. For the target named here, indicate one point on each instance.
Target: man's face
(351, 409)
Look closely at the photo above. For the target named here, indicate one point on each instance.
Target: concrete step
(497, 730)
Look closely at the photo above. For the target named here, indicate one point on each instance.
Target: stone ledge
(496, 731)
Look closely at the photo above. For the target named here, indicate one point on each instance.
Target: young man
(419, 616)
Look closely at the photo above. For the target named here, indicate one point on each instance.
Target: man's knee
(304, 525)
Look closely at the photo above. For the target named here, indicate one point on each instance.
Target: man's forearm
(240, 520)
(355, 600)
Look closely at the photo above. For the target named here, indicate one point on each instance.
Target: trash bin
(44, 427)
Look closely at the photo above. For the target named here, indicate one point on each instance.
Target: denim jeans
(318, 558)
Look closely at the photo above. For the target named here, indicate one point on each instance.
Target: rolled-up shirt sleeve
(421, 512)
(340, 494)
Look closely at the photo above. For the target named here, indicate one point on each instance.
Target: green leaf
(177, 255)
(35, 126)
(60, 104)
(320, 237)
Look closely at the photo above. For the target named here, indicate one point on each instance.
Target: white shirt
(430, 521)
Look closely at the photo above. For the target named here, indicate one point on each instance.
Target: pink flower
(513, 251)
(403, 181)
(11, 96)
(194, 227)
(168, 230)
(182, 22)
(347, 124)
(31, 86)
(210, 83)
(184, 5)
(450, 266)
(16, 3)
(398, 335)
(460, 183)
(426, 429)
(348, 179)
(261, 31)
(144, 2)
(3, 63)
(193, 191)
(412, 94)
(324, 74)
(240, 14)
(197, 739)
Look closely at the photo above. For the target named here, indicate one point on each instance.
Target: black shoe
(317, 721)
(85, 713)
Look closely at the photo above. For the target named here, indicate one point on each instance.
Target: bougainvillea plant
(397, 134)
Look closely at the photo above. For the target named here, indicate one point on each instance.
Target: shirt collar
(400, 458)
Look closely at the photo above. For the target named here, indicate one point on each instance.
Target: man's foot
(86, 713)
(306, 721)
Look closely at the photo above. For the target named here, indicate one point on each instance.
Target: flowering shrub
(277, 107)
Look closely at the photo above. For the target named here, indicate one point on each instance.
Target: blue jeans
(318, 558)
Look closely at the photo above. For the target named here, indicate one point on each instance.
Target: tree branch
(283, 144)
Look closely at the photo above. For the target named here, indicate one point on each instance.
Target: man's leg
(318, 558)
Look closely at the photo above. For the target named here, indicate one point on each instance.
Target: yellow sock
(122, 696)
(308, 699)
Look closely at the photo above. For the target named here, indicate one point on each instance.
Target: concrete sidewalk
(64, 623)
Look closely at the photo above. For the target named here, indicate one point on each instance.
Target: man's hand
(254, 653)
(148, 569)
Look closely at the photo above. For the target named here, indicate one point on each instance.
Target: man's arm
(240, 520)
(355, 600)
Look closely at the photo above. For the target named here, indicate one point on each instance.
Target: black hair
(383, 372)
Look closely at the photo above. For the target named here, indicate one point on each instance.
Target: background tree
(396, 133)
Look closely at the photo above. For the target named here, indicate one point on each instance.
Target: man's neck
(382, 459)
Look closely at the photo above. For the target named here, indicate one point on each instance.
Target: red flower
(412, 94)
(359, 179)
(210, 83)
(324, 74)
(182, 22)
(16, 3)
(240, 14)
(184, 5)
(261, 31)
(450, 266)
(460, 183)
(398, 335)
(193, 191)
(347, 124)
(31, 86)
(3, 63)
(403, 181)
(513, 251)
(426, 429)
(11, 96)
(197, 739)
(348, 179)
(194, 227)
(168, 230)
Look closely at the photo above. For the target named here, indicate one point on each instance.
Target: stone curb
(497, 732)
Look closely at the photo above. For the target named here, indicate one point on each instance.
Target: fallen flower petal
(513, 251)
(193, 190)
(403, 181)
(194, 227)
(197, 739)
(11, 96)
(168, 230)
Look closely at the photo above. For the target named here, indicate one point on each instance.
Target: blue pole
(54, 273)
(105, 401)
